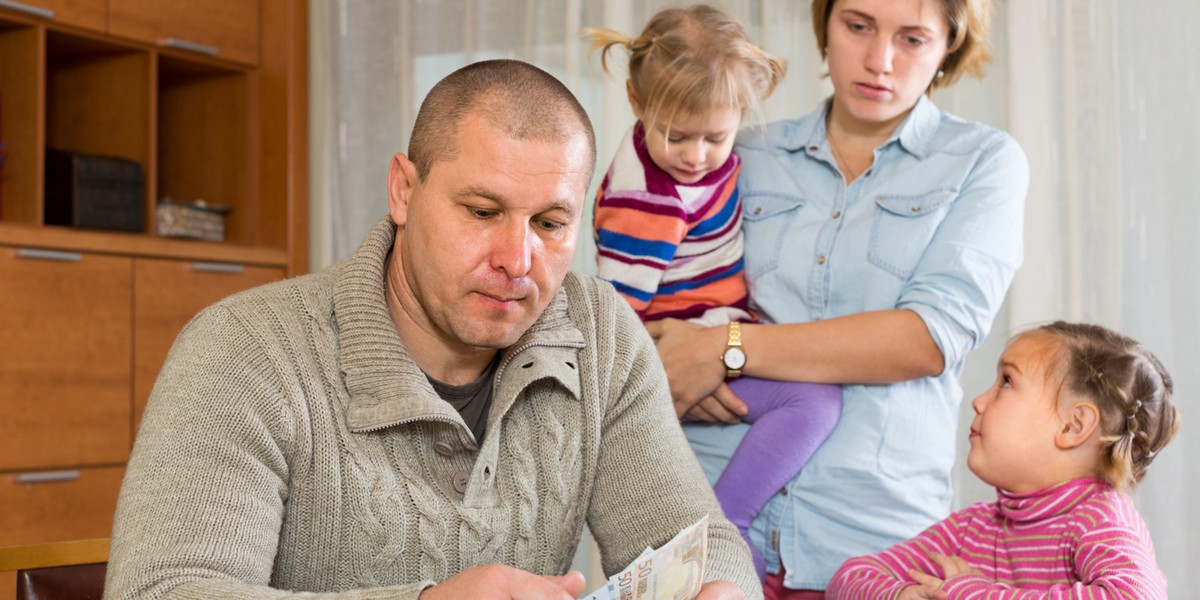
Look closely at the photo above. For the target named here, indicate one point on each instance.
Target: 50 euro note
(675, 571)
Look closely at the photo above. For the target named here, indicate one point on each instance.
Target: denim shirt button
(837, 214)
(757, 210)
(821, 260)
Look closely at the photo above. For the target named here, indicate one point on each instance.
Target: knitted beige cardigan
(292, 445)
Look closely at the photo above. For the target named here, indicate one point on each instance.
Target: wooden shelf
(87, 315)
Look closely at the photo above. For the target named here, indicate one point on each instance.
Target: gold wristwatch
(734, 356)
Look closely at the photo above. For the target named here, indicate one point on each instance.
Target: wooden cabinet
(58, 505)
(88, 14)
(87, 316)
(65, 353)
(224, 28)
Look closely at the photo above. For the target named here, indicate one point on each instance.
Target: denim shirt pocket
(904, 226)
(766, 217)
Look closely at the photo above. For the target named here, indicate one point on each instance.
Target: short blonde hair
(690, 61)
(969, 26)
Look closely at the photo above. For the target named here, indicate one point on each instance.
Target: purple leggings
(789, 421)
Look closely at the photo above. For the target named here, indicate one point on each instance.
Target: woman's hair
(690, 61)
(1129, 386)
(969, 28)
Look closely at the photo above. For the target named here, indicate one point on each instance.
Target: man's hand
(720, 590)
(501, 582)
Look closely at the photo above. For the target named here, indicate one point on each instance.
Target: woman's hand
(691, 355)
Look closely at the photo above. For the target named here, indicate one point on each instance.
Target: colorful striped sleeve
(637, 235)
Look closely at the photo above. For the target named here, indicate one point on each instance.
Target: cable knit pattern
(1076, 540)
(287, 449)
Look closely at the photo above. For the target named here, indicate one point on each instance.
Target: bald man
(437, 417)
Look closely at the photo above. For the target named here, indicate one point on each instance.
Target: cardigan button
(460, 482)
(444, 449)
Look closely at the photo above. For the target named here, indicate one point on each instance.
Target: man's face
(486, 240)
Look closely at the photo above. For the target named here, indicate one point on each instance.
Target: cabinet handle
(39, 254)
(215, 267)
(36, 11)
(189, 46)
(47, 476)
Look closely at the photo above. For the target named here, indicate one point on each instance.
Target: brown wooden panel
(167, 294)
(88, 14)
(103, 242)
(65, 352)
(56, 506)
(8, 585)
(21, 124)
(98, 98)
(283, 121)
(229, 27)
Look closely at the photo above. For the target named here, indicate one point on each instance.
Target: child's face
(696, 145)
(1013, 435)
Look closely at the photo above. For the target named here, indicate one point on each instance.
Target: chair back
(58, 571)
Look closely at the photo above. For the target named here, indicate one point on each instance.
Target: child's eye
(1005, 381)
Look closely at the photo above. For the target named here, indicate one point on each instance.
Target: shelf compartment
(206, 138)
(98, 100)
(20, 123)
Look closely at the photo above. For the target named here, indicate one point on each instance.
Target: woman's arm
(871, 347)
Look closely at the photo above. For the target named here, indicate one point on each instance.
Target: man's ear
(633, 100)
(402, 180)
(1080, 424)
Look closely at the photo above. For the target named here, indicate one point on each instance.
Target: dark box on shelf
(89, 191)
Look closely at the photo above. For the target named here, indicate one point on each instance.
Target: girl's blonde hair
(690, 61)
(970, 28)
(1129, 386)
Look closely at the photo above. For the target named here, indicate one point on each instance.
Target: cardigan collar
(385, 385)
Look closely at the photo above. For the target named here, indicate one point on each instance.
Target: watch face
(735, 358)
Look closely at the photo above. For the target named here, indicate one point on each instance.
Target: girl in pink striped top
(1075, 417)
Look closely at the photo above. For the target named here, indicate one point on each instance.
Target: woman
(881, 237)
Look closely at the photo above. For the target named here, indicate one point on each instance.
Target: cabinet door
(59, 505)
(224, 28)
(65, 353)
(88, 14)
(167, 294)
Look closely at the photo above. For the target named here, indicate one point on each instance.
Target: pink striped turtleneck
(1079, 539)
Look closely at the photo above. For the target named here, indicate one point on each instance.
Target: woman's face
(882, 56)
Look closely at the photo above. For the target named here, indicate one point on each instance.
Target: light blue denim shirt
(935, 226)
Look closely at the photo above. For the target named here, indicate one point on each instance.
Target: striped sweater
(671, 249)
(1079, 539)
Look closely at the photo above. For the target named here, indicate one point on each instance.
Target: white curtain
(1098, 92)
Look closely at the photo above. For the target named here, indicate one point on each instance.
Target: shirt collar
(915, 134)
